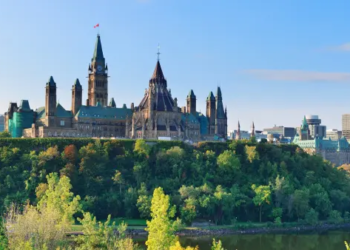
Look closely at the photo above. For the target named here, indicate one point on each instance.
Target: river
(332, 240)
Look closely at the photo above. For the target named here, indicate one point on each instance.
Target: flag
(97, 25)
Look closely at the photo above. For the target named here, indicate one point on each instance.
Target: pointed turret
(112, 103)
(191, 94)
(211, 97)
(191, 103)
(98, 53)
(51, 82)
(77, 84)
(77, 96)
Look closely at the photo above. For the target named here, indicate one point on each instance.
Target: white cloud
(299, 75)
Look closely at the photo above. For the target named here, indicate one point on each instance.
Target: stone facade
(157, 115)
(335, 151)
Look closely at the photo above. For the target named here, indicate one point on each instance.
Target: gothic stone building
(157, 115)
(335, 151)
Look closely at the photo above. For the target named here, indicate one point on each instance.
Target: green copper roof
(77, 84)
(61, 112)
(98, 53)
(41, 112)
(304, 125)
(112, 103)
(124, 106)
(211, 96)
(191, 94)
(51, 82)
(103, 112)
(24, 106)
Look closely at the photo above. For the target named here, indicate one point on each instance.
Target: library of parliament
(157, 115)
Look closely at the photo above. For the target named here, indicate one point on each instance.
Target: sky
(274, 60)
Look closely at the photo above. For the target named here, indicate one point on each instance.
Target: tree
(311, 217)
(5, 134)
(144, 202)
(178, 246)
(301, 202)
(45, 226)
(161, 228)
(217, 245)
(262, 195)
(58, 197)
(98, 235)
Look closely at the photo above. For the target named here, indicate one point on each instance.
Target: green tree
(161, 228)
(311, 217)
(301, 202)
(98, 235)
(262, 195)
(5, 134)
(144, 202)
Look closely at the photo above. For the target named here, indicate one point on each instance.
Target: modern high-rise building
(346, 126)
(334, 134)
(315, 127)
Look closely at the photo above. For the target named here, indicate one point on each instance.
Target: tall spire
(238, 133)
(253, 130)
(218, 93)
(98, 53)
(158, 72)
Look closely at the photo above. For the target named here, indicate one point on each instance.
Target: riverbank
(234, 230)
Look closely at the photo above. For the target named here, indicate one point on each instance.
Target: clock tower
(98, 78)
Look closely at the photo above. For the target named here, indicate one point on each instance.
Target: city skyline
(272, 70)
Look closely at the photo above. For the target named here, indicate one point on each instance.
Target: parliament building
(157, 115)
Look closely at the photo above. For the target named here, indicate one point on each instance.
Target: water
(332, 240)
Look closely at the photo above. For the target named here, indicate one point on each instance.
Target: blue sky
(274, 60)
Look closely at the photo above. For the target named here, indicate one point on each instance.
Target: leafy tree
(5, 134)
(301, 202)
(98, 235)
(217, 245)
(262, 195)
(161, 228)
(58, 197)
(178, 246)
(335, 217)
(311, 217)
(144, 202)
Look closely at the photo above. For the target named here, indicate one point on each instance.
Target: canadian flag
(97, 25)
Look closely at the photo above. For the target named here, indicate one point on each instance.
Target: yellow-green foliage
(160, 229)
(44, 226)
(178, 246)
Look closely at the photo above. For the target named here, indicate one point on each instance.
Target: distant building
(346, 126)
(333, 134)
(2, 123)
(280, 130)
(335, 151)
(315, 127)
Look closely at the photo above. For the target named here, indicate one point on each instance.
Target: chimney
(87, 102)
(132, 106)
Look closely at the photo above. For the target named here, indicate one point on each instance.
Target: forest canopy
(217, 182)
